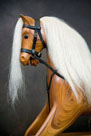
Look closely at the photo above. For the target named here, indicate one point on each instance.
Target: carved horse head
(31, 40)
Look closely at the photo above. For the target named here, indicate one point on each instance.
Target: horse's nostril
(22, 59)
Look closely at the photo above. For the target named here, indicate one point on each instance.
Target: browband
(32, 27)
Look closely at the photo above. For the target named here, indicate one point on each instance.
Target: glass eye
(26, 36)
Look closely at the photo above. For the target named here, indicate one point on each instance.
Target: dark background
(77, 13)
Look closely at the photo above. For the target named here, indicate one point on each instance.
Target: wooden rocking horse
(68, 71)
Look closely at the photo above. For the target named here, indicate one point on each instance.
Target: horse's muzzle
(25, 58)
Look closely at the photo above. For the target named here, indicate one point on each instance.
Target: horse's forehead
(29, 21)
(24, 30)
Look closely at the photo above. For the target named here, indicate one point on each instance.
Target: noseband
(37, 55)
(37, 30)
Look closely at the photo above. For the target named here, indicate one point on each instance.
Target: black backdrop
(78, 14)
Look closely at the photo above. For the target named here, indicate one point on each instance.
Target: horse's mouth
(34, 62)
(28, 60)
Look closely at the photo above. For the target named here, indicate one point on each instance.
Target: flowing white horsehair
(70, 54)
(16, 80)
(68, 51)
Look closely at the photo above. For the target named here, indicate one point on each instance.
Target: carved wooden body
(64, 106)
(64, 110)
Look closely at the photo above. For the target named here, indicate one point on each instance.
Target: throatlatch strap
(41, 38)
(35, 34)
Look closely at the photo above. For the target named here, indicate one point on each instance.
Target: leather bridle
(37, 30)
(36, 55)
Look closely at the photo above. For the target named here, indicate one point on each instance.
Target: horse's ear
(25, 19)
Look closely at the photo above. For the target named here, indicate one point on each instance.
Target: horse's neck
(49, 61)
(49, 73)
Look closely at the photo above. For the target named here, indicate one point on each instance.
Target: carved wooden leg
(57, 122)
(34, 127)
(63, 113)
(47, 129)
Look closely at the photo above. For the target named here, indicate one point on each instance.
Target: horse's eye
(26, 36)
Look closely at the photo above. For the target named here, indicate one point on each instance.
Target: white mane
(16, 81)
(69, 53)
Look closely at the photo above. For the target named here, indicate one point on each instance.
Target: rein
(37, 55)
